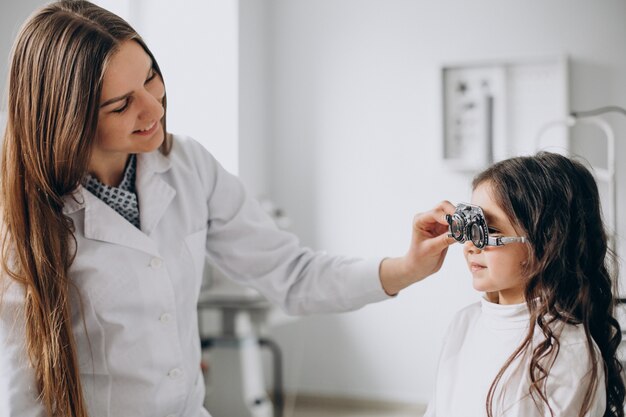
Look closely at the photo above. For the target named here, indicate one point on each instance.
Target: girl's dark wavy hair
(554, 201)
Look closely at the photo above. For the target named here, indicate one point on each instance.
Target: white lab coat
(138, 346)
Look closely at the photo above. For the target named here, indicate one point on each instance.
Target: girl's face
(496, 269)
(131, 106)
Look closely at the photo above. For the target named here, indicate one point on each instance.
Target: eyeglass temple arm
(502, 240)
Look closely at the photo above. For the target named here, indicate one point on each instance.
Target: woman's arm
(246, 245)
(429, 245)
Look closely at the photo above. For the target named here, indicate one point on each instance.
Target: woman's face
(497, 269)
(131, 106)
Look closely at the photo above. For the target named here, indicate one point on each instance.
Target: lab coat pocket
(196, 245)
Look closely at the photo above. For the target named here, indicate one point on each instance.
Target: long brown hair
(554, 201)
(55, 80)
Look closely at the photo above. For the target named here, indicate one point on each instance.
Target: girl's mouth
(475, 267)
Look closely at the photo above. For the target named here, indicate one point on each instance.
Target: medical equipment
(606, 175)
(468, 223)
(235, 383)
(233, 344)
(491, 108)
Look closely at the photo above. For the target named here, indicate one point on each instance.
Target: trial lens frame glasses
(468, 223)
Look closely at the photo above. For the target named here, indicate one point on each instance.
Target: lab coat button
(165, 317)
(156, 263)
(175, 373)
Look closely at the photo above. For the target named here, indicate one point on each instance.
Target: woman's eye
(151, 76)
(493, 231)
(121, 109)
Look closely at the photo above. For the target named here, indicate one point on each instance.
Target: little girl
(543, 340)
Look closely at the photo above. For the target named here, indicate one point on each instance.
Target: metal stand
(606, 175)
(235, 367)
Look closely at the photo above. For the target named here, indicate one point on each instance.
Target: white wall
(196, 45)
(356, 127)
(12, 15)
(254, 93)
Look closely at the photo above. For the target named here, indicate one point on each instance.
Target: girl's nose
(469, 247)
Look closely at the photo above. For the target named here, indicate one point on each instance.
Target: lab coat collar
(152, 163)
(103, 223)
(153, 193)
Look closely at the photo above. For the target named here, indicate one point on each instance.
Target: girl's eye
(493, 231)
(121, 109)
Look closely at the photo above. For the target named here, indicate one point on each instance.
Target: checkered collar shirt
(123, 198)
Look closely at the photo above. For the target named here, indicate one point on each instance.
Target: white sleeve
(430, 411)
(444, 385)
(567, 385)
(246, 245)
(569, 380)
(18, 391)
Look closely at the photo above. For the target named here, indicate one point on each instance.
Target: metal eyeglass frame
(469, 215)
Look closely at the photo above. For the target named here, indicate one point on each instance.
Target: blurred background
(343, 114)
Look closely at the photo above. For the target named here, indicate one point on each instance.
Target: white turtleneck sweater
(480, 339)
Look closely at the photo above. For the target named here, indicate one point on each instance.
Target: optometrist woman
(106, 222)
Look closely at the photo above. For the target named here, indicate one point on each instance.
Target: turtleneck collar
(505, 316)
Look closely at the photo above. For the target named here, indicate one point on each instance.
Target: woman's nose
(152, 100)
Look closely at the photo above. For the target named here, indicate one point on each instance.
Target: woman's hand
(429, 245)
